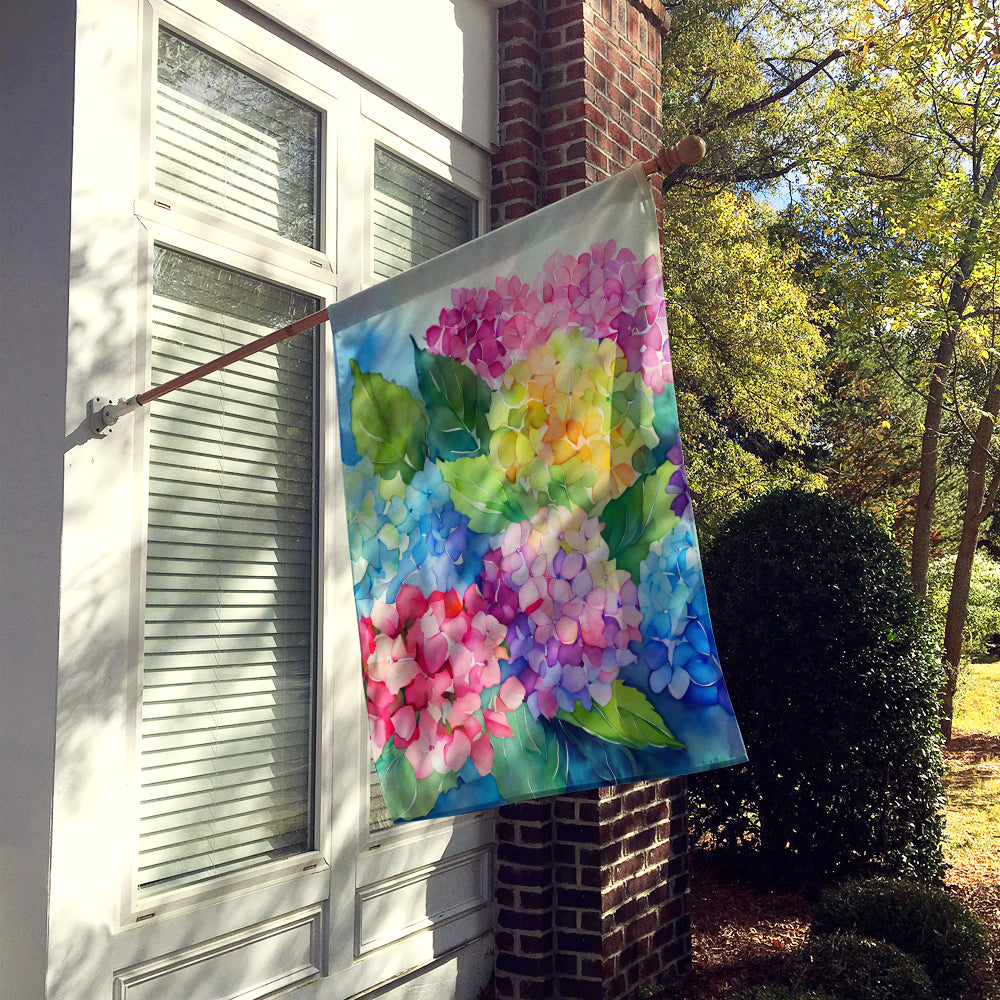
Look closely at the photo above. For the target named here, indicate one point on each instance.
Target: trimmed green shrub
(856, 968)
(926, 922)
(833, 671)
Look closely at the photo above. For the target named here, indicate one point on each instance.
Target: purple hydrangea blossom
(570, 615)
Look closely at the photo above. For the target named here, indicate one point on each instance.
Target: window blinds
(416, 215)
(228, 691)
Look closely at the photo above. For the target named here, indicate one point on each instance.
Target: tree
(747, 355)
(866, 438)
(747, 351)
(881, 119)
(746, 75)
(914, 184)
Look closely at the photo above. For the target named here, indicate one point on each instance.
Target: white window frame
(195, 244)
(396, 134)
(180, 224)
(350, 871)
(387, 858)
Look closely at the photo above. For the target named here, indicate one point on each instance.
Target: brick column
(579, 96)
(517, 160)
(591, 893)
(525, 901)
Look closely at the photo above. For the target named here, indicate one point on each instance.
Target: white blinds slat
(205, 507)
(168, 770)
(159, 811)
(241, 732)
(437, 226)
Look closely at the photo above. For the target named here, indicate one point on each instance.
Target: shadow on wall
(90, 821)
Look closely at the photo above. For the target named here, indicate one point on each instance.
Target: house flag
(529, 594)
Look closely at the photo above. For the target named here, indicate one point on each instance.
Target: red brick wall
(591, 889)
(591, 893)
(579, 96)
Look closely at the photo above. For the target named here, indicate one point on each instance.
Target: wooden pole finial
(688, 151)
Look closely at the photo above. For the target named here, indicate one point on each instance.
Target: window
(229, 647)
(416, 216)
(228, 140)
(250, 804)
(228, 690)
(210, 820)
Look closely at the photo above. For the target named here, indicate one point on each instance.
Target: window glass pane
(416, 215)
(226, 139)
(228, 656)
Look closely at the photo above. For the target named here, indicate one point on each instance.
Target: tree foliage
(748, 77)
(746, 345)
(878, 122)
(912, 194)
(747, 355)
(982, 620)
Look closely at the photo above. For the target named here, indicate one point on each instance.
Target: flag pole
(103, 413)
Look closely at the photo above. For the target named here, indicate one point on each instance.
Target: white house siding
(74, 286)
(36, 118)
(428, 52)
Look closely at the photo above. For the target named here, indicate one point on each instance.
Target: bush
(833, 672)
(856, 968)
(927, 923)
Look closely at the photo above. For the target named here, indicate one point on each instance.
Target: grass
(979, 698)
(973, 810)
(973, 783)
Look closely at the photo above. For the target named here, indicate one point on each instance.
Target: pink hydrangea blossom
(487, 329)
(605, 292)
(428, 662)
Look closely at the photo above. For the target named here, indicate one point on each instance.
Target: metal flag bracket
(103, 413)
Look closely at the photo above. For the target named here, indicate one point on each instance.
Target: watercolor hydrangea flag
(530, 602)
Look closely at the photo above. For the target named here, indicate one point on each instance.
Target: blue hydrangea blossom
(677, 643)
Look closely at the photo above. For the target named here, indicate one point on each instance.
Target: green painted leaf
(457, 401)
(532, 762)
(568, 495)
(485, 496)
(407, 796)
(638, 518)
(628, 719)
(665, 422)
(388, 424)
(611, 762)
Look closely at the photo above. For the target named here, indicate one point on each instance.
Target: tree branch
(754, 106)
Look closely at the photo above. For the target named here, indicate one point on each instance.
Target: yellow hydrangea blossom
(571, 405)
